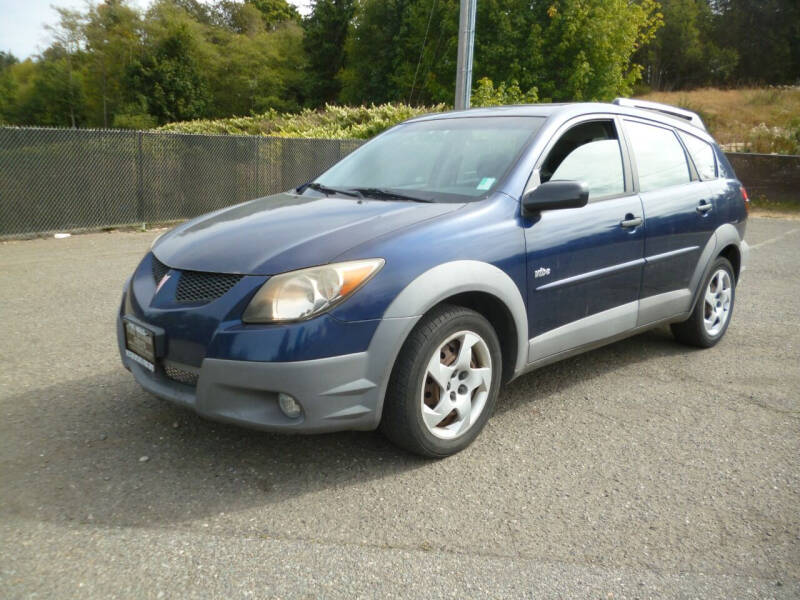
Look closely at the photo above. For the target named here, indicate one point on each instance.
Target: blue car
(451, 254)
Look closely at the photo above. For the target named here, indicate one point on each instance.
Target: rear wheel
(714, 309)
(444, 383)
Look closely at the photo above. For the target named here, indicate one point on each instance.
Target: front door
(585, 264)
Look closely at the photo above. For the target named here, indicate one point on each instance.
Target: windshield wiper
(332, 190)
(389, 195)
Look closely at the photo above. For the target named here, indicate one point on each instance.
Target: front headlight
(302, 294)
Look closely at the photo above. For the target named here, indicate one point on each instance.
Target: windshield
(442, 160)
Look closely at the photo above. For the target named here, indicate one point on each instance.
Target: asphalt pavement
(644, 469)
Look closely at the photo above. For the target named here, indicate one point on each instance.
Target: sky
(22, 22)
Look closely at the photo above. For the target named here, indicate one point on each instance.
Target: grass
(764, 207)
(760, 119)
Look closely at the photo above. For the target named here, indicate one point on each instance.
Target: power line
(422, 50)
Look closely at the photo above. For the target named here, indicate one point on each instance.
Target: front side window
(589, 152)
(702, 155)
(660, 159)
(442, 160)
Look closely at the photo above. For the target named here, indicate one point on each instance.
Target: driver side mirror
(553, 195)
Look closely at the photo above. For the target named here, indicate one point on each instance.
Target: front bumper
(337, 393)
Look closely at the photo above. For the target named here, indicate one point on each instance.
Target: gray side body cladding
(632, 318)
(724, 236)
(429, 289)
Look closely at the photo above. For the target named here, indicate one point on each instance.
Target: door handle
(704, 207)
(631, 221)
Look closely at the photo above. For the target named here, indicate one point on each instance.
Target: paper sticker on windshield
(486, 183)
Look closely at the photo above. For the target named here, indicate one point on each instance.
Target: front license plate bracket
(144, 343)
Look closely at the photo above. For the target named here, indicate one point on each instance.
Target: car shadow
(101, 450)
(561, 376)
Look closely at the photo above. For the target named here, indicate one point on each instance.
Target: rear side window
(702, 155)
(660, 159)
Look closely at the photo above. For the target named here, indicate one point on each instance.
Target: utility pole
(466, 42)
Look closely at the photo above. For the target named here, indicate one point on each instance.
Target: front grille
(195, 287)
(181, 376)
(159, 269)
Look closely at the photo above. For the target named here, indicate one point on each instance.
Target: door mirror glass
(554, 195)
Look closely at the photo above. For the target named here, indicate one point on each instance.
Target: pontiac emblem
(161, 283)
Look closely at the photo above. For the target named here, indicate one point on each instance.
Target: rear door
(584, 264)
(681, 217)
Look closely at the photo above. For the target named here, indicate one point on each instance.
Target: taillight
(746, 199)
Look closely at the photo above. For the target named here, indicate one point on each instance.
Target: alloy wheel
(456, 385)
(717, 302)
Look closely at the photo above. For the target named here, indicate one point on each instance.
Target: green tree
(112, 34)
(324, 41)
(275, 12)
(427, 44)
(257, 72)
(683, 52)
(169, 80)
(568, 49)
(486, 94)
(8, 87)
(236, 17)
(54, 95)
(765, 34)
(372, 51)
(584, 48)
(61, 71)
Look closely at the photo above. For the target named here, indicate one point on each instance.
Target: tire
(714, 309)
(435, 420)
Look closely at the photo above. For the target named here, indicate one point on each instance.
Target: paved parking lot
(643, 469)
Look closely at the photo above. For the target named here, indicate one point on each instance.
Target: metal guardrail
(78, 179)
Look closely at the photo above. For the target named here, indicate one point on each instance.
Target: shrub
(486, 94)
(343, 122)
(336, 122)
(774, 140)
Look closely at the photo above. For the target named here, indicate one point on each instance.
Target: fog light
(290, 407)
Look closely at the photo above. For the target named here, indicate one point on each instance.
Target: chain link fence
(77, 179)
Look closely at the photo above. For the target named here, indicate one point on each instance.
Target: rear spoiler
(665, 109)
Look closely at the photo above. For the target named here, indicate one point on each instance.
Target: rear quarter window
(724, 169)
(702, 154)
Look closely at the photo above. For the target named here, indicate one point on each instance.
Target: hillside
(745, 120)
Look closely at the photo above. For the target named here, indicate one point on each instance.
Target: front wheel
(712, 314)
(444, 383)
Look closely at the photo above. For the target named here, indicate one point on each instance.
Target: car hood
(285, 232)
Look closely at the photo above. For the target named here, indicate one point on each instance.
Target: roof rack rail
(667, 109)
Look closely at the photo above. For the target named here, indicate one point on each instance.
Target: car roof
(565, 111)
